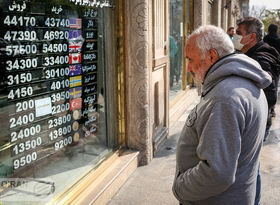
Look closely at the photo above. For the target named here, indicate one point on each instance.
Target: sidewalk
(151, 184)
(270, 163)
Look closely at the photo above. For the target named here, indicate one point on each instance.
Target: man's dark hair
(230, 28)
(253, 25)
(272, 28)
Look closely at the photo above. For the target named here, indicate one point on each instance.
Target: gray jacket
(218, 150)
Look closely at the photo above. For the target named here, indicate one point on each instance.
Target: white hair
(212, 37)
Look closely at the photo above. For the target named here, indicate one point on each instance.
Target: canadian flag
(75, 58)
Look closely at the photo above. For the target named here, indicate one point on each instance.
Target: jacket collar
(254, 48)
(207, 72)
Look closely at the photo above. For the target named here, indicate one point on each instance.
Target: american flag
(75, 22)
(75, 46)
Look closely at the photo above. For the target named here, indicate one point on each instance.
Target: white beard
(198, 84)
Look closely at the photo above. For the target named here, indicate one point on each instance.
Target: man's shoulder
(263, 51)
(234, 87)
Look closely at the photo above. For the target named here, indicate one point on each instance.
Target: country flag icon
(75, 35)
(75, 46)
(75, 23)
(75, 70)
(75, 58)
(75, 81)
(75, 104)
(75, 92)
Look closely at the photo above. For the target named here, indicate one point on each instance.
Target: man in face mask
(218, 150)
(249, 37)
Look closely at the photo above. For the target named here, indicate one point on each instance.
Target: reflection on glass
(176, 47)
(210, 13)
(52, 100)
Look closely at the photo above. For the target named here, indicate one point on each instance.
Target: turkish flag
(75, 104)
(75, 58)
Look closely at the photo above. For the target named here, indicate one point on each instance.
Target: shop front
(60, 95)
(180, 26)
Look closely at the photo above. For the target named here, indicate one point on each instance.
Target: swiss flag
(75, 58)
(75, 104)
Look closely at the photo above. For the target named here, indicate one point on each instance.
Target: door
(160, 70)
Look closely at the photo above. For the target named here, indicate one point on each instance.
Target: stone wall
(138, 30)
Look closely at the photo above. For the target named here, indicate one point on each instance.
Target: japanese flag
(75, 58)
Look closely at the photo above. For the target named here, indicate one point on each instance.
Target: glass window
(176, 47)
(53, 101)
(190, 28)
(210, 12)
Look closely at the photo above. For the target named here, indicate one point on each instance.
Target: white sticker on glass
(43, 107)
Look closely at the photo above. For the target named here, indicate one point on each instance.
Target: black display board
(49, 63)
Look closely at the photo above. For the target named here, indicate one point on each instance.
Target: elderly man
(218, 150)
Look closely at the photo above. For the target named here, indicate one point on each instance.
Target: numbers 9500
(25, 160)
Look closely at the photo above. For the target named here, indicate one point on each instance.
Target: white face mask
(236, 42)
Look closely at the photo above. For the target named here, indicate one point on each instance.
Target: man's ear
(214, 56)
(254, 35)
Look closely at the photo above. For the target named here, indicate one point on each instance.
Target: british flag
(75, 22)
(75, 46)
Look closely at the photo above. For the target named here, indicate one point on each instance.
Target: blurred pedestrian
(272, 37)
(273, 40)
(173, 49)
(219, 147)
(230, 32)
(251, 31)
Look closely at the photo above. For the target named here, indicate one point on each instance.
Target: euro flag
(75, 35)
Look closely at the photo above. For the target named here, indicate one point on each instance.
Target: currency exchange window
(52, 93)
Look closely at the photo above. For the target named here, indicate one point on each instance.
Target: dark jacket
(269, 60)
(273, 40)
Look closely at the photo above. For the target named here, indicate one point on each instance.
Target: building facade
(89, 90)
